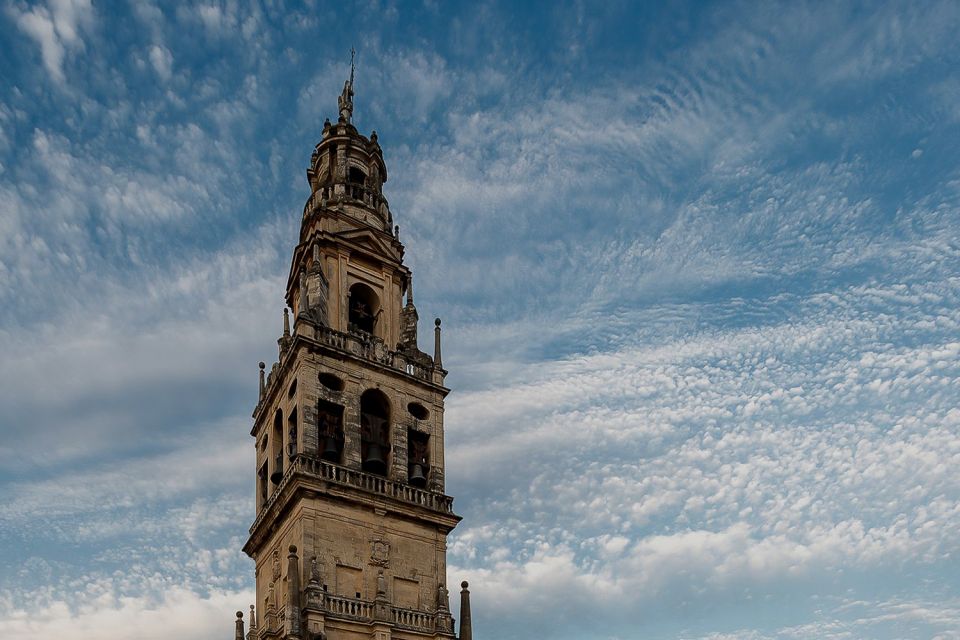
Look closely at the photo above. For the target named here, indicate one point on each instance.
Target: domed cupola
(347, 170)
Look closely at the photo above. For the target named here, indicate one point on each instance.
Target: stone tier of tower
(352, 519)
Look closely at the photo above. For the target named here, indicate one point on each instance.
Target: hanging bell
(331, 450)
(277, 474)
(418, 476)
(375, 462)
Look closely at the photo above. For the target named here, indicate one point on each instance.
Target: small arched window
(357, 176)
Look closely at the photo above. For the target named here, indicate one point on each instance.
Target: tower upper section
(348, 426)
(347, 168)
(347, 271)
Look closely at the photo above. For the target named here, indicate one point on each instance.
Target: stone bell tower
(350, 533)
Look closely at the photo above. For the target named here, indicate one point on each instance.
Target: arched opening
(357, 175)
(364, 309)
(276, 448)
(262, 484)
(374, 431)
(330, 431)
(357, 179)
(418, 457)
(292, 434)
(418, 411)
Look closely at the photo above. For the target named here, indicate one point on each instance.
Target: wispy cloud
(699, 295)
(57, 29)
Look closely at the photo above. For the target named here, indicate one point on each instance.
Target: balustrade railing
(413, 619)
(366, 346)
(349, 607)
(375, 484)
(353, 478)
(370, 347)
(352, 191)
(363, 610)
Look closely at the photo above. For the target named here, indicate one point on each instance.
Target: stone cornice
(308, 476)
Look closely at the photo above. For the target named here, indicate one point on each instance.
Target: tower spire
(345, 102)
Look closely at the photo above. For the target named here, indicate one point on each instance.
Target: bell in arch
(331, 450)
(375, 461)
(418, 477)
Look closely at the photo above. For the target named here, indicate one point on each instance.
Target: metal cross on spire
(353, 54)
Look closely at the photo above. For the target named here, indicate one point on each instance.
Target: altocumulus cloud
(698, 271)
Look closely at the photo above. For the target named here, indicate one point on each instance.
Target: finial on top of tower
(263, 385)
(466, 623)
(238, 633)
(345, 102)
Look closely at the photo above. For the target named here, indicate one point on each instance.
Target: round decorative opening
(331, 382)
(418, 411)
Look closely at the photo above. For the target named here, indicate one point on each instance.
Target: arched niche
(374, 431)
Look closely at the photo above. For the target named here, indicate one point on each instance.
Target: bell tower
(349, 538)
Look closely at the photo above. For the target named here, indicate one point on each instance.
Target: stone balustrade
(365, 346)
(363, 611)
(348, 607)
(334, 473)
(375, 484)
(368, 347)
(413, 619)
(350, 191)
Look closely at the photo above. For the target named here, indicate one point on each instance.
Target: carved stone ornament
(443, 599)
(381, 584)
(380, 553)
(276, 565)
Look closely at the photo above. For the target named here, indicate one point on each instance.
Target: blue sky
(698, 266)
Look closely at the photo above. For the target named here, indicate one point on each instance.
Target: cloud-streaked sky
(698, 266)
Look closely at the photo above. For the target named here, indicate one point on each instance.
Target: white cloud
(162, 61)
(56, 28)
(180, 612)
(696, 358)
(714, 464)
